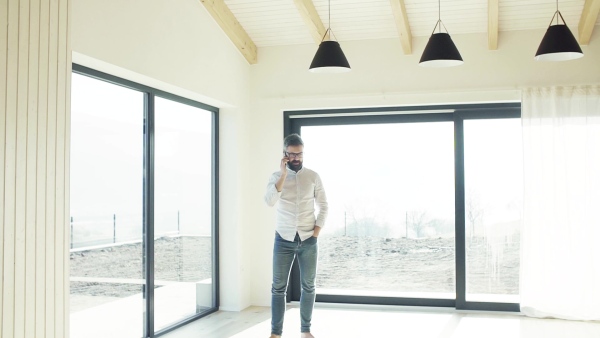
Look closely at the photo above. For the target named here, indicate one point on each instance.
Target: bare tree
(360, 221)
(474, 212)
(418, 221)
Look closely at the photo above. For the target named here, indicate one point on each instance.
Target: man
(297, 189)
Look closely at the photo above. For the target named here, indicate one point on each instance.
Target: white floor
(334, 321)
(123, 317)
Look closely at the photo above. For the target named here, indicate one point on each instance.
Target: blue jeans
(284, 253)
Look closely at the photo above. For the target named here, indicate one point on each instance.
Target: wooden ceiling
(251, 24)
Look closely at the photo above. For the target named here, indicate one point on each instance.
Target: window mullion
(459, 200)
(149, 214)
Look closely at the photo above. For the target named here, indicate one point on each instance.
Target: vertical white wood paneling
(8, 318)
(35, 73)
(3, 80)
(61, 94)
(51, 172)
(40, 273)
(21, 168)
(30, 218)
(67, 175)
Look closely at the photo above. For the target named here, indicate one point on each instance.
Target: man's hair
(292, 140)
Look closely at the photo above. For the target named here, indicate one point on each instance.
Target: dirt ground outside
(346, 263)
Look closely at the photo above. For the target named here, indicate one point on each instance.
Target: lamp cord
(440, 14)
(439, 23)
(558, 16)
(328, 30)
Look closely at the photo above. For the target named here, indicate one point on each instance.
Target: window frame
(293, 121)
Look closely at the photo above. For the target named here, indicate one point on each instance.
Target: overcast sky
(107, 161)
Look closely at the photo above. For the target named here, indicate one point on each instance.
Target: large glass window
(143, 223)
(493, 205)
(390, 228)
(424, 204)
(182, 212)
(106, 209)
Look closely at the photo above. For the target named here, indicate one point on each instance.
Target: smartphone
(286, 156)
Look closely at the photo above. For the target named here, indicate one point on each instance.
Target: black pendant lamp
(558, 43)
(329, 57)
(440, 50)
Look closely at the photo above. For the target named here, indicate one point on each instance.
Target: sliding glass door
(493, 208)
(424, 204)
(107, 278)
(182, 212)
(143, 208)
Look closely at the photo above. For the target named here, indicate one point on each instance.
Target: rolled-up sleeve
(272, 195)
(321, 202)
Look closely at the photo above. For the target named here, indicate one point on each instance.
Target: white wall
(383, 76)
(176, 46)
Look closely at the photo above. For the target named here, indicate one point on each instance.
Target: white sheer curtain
(560, 245)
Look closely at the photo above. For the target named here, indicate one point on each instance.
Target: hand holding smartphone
(284, 162)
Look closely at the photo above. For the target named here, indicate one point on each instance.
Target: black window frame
(293, 121)
(149, 95)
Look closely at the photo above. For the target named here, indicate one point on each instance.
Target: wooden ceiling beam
(399, 10)
(493, 24)
(234, 30)
(588, 19)
(311, 19)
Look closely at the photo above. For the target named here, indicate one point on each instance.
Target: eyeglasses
(294, 155)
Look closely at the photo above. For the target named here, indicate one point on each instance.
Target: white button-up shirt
(300, 193)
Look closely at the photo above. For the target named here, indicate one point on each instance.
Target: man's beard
(295, 165)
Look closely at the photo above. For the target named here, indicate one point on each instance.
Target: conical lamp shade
(329, 59)
(558, 44)
(440, 52)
